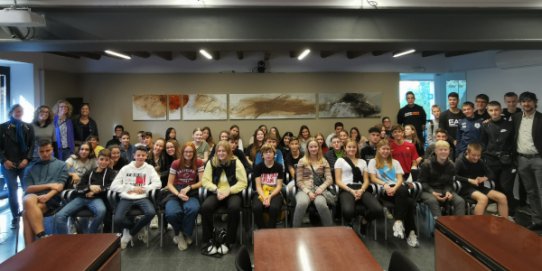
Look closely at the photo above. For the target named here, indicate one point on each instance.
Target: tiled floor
(169, 257)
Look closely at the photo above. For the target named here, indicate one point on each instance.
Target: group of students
(390, 156)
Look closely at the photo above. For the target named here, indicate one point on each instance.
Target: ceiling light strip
(304, 54)
(404, 53)
(113, 53)
(205, 54)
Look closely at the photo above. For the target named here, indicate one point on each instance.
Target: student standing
(413, 114)
(16, 149)
(449, 119)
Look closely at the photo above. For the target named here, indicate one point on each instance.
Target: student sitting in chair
(475, 173)
(44, 179)
(90, 192)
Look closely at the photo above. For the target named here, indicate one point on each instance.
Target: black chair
(161, 212)
(399, 262)
(67, 196)
(242, 260)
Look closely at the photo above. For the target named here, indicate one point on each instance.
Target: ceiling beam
(165, 55)
(458, 53)
(354, 54)
(140, 54)
(240, 55)
(431, 53)
(326, 54)
(192, 55)
(70, 55)
(378, 53)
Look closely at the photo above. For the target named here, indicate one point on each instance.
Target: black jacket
(497, 138)
(434, 175)
(9, 146)
(78, 129)
(536, 130)
(467, 170)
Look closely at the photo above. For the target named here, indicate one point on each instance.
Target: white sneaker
(181, 243)
(188, 239)
(511, 219)
(154, 222)
(175, 239)
(143, 235)
(198, 220)
(169, 227)
(223, 249)
(387, 213)
(125, 239)
(412, 239)
(398, 229)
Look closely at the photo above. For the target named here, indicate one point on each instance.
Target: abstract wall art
(205, 107)
(272, 106)
(350, 105)
(175, 106)
(149, 107)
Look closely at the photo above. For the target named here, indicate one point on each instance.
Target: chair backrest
(399, 262)
(242, 260)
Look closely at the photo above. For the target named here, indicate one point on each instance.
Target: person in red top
(182, 205)
(404, 152)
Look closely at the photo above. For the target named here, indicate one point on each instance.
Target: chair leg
(16, 231)
(385, 228)
(161, 223)
(374, 228)
(241, 227)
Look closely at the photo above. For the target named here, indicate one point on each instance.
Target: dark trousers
(405, 208)
(124, 206)
(233, 208)
(504, 182)
(373, 208)
(273, 211)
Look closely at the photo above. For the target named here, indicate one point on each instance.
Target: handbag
(329, 194)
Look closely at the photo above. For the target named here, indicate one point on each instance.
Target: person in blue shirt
(272, 140)
(468, 130)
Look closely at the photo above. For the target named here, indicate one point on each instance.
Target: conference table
(485, 243)
(68, 252)
(318, 248)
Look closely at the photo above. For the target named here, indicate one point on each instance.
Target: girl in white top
(388, 174)
(354, 182)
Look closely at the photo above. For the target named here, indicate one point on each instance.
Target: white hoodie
(130, 177)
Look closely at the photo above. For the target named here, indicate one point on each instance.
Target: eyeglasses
(44, 112)
(188, 151)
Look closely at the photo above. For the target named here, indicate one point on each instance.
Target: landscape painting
(350, 105)
(205, 107)
(272, 106)
(149, 107)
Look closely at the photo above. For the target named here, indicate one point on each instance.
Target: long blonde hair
(381, 161)
(229, 157)
(307, 157)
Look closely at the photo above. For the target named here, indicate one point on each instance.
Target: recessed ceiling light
(205, 54)
(113, 53)
(402, 53)
(304, 54)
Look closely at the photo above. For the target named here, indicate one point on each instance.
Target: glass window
(458, 86)
(424, 92)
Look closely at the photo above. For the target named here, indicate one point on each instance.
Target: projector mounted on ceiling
(21, 17)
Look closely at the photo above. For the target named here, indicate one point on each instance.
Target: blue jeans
(122, 222)
(95, 205)
(10, 176)
(182, 214)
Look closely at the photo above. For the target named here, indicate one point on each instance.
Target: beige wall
(110, 96)
(60, 85)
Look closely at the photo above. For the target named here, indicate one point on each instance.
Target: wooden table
(68, 252)
(485, 243)
(322, 248)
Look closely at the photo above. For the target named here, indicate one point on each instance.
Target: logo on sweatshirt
(140, 180)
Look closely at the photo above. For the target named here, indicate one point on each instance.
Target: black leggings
(273, 211)
(405, 208)
(373, 208)
(208, 208)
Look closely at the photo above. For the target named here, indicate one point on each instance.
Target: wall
(110, 96)
(496, 82)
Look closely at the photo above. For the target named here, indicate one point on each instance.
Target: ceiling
(338, 32)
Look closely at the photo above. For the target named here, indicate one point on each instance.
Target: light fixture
(304, 54)
(117, 54)
(402, 53)
(205, 54)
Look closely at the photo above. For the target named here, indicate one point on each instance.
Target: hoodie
(45, 172)
(131, 176)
